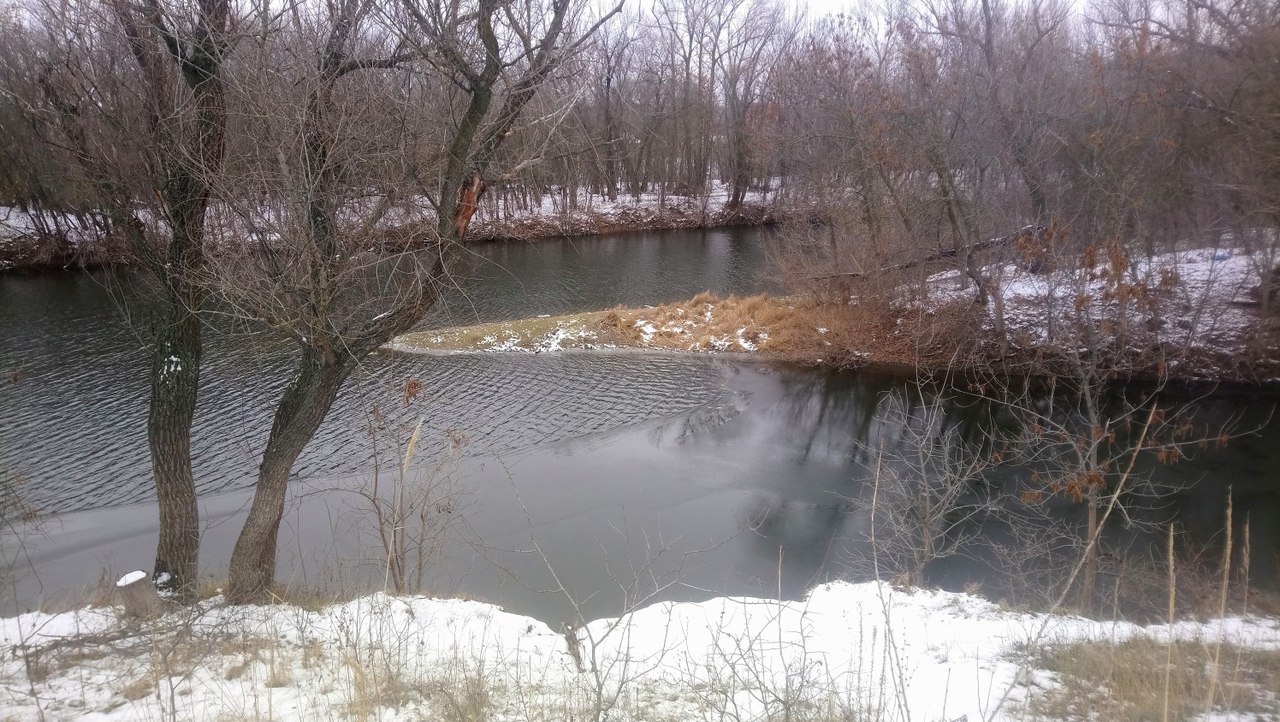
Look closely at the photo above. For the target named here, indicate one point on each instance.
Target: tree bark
(188, 155)
(175, 380)
(329, 353)
(1089, 581)
(302, 408)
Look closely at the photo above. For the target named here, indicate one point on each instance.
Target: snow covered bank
(54, 239)
(557, 214)
(863, 651)
(1200, 303)
(48, 239)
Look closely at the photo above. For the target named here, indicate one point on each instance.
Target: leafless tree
(928, 494)
(133, 94)
(345, 282)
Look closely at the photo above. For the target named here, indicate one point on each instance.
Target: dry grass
(807, 329)
(800, 328)
(468, 699)
(373, 685)
(524, 334)
(1126, 681)
(139, 688)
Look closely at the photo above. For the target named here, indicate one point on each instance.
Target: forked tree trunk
(302, 408)
(327, 359)
(175, 366)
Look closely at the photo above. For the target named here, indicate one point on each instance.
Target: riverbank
(596, 215)
(36, 241)
(846, 651)
(1194, 318)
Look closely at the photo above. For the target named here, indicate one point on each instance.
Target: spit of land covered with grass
(705, 323)
(1191, 315)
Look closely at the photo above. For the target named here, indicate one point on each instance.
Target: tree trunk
(175, 380)
(175, 361)
(302, 408)
(1091, 555)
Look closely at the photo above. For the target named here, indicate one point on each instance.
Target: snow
(172, 365)
(553, 210)
(131, 577)
(555, 340)
(550, 214)
(906, 654)
(647, 330)
(1194, 300)
(671, 328)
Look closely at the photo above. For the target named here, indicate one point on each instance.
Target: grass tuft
(1101, 680)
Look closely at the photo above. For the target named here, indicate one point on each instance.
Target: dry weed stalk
(414, 516)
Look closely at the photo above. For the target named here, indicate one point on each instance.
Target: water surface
(588, 483)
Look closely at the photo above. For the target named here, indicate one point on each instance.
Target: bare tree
(134, 94)
(928, 494)
(757, 35)
(346, 282)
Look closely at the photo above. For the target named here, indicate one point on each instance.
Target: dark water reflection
(626, 474)
(73, 425)
(506, 281)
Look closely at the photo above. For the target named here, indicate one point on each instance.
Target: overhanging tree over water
(133, 95)
(331, 273)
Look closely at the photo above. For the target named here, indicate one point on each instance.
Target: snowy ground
(1194, 314)
(1188, 303)
(864, 651)
(554, 214)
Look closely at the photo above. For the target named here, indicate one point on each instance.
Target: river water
(588, 481)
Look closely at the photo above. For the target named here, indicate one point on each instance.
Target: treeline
(915, 125)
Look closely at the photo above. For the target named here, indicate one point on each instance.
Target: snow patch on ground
(557, 340)
(587, 212)
(647, 330)
(908, 654)
(1200, 299)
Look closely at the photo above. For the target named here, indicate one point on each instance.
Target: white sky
(819, 8)
(815, 8)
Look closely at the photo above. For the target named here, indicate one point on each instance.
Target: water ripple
(73, 427)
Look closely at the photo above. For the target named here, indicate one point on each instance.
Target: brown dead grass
(1126, 681)
(135, 690)
(807, 329)
(525, 333)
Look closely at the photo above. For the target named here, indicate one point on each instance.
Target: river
(588, 482)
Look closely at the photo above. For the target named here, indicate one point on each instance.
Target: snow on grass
(555, 212)
(1193, 312)
(556, 201)
(647, 330)
(1200, 299)
(562, 338)
(866, 651)
(704, 324)
(551, 214)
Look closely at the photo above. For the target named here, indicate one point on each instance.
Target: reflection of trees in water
(1017, 548)
(829, 412)
(869, 425)
(839, 414)
(809, 534)
(687, 426)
